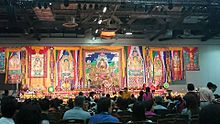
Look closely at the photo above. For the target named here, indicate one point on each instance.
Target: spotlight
(104, 9)
(96, 31)
(93, 38)
(128, 33)
(85, 6)
(100, 21)
(50, 4)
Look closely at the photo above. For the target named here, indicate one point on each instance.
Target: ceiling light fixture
(100, 21)
(96, 31)
(104, 9)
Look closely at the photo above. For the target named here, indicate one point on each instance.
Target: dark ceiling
(156, 19)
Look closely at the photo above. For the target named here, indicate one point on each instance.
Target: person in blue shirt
(104, 109)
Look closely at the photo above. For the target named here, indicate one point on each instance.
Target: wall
(209, 69)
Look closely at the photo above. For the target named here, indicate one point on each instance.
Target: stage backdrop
(102, 68)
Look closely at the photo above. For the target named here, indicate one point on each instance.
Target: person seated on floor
(44, 105)
(77, 112)
(149, 108)
(8, 108)
(104, 109)
(28, 114)
(159, 102)
(126, 95)
(147, 96)
(210, 114)
(192, 107)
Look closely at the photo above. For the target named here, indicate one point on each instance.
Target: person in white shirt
(8, 108)
(206, 94)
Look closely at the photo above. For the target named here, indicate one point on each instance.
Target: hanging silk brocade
(177, 65)
(2, 60)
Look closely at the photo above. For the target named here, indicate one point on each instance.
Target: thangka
(14, 67)
(148, 67)
(177, 65)
(2, 60)
(66, 69)
(102, 69)
(191, 58)
(158, 68)
(135, 67)
(37, 60)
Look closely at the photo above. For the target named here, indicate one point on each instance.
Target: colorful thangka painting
(37, 65)
(135, 67)
(191, 58)
(2, 61)
(158, 68)
(14, 67)
(66, 69)
(177, 65)
(102, 69)
(149, 67)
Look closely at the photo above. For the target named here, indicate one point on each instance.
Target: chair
(172, 121)
(72, 121)
(194, 121)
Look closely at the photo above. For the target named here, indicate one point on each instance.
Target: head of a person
(81, 94)
(108, 96)
(210, 114)
(141, 93)
(91, 94)
(6, 92)
(79, 101)
(158, 100)
(190, 87)
(211, 86)
(147, 89)
(125, 89)
(138, 111)
(28, 114)
(8, 106)
(120, 92)
(44, 104)
(104, 105)
(70, 103)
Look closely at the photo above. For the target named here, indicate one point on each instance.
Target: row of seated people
(37, 112)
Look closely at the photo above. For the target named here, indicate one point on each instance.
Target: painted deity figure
(176, 66)
(14, 63)
(135, 61)
(158, 71)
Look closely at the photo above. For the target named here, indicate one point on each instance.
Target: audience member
(192, 107)
(138, 112)
(8, 108)
(206, 94)
(159, 102)
(104, 109)
(210, 114)
(140, 97)
(149, 108)
(28, 114)
(191, 90)
(147, 96)
(77, 112)
(126, 94)
(44, 105)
